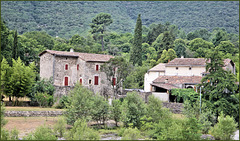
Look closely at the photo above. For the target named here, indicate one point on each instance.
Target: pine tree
(136, 52)
(15, 46)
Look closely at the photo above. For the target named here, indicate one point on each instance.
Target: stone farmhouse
(178, 73)
(69, 68)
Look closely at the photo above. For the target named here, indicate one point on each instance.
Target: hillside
(65, 18)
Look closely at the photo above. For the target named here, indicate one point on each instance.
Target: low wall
(176, 108)
(32, 113)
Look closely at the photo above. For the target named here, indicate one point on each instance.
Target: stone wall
(32, 113)
(176, 108)
(62, 90)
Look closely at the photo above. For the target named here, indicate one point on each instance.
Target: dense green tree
(22, 78)
(135, 79)
(227, 47)
(200, 47)
(15, 46)
(154, 32)
(116, 70)
(5, 76)
(99, 24)
(133, 109)
(116, 111)
(180, 47)
(219, 87)
(6, 45)
(218, 36)
(136, 52)
(80, 104)
(167, 56)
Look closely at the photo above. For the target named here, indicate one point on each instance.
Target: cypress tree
(15, 47)
(136, 52)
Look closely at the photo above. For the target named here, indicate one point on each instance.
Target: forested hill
(66, 18)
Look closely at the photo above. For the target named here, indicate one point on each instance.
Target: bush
(116, 110)
(60, 127)
(41, 133)
(5, 134)
(156, 111)
(100, 109)
(131, 134)
(44, 99)
(121, 131)
(225, 128)
(81, 131)
(133, 108)
(12, 135)
(80, 104)
(62, 102)
(3, 120)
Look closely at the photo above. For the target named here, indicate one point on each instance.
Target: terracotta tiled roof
(187, 62)
(159, 67)
(165, 86)
(89, 57)
(178, 79)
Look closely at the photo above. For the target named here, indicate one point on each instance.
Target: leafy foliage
(225, 128)
(41, 133)
(116, 110)
(133, 108)
(131, 134)
(185, 94)
(136, 52)
(81, 131)
(44, 99)
(60, 127)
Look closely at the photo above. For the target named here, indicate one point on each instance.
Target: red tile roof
(159, 67)
(165, 86)
(89, 57)
(178, 79)
(187, 62)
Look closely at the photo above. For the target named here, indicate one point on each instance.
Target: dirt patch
(26, 125)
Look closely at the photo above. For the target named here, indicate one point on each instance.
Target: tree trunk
(10, 100)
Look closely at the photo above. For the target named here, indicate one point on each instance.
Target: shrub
(81, 131)
(80, 104)
(225, 128)
(3, 120)
(131, 134)
(5, 134)
(14, 134)
(133, 108)
(44, 99)
(60, 127)
(155, 109)
(121, 131)
(116, 110)
(100, 109)
(41, 133)
(62, 102)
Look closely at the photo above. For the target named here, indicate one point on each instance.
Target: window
(176, 68)
(190, 68)
(97, 67)
(114, 81)
(96, 80)
(66, 67)
(89, 81)
(80, 81)
(66, 81)
(77, 66)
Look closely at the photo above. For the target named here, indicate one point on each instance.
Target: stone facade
(69, 68)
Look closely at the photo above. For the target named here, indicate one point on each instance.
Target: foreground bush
(60, 127)
(41, 133)
(44, 99)
(131, 134)
(81, 131)
(62, 103)
(225, 128)
(133, 109)
(80, 104)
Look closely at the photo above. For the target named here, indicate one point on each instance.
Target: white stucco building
(178, 73)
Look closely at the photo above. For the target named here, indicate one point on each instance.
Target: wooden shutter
(97, 68)
(66, 81)
(114, 81)
(66, 67)
(77, 67)
(96, 80)
(80, 81)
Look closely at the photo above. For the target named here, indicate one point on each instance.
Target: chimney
(182, 56)
(166, 80)
(71, 50)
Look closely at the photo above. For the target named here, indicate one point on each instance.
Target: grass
(178, 116)
(10, 108)
(26, 125)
